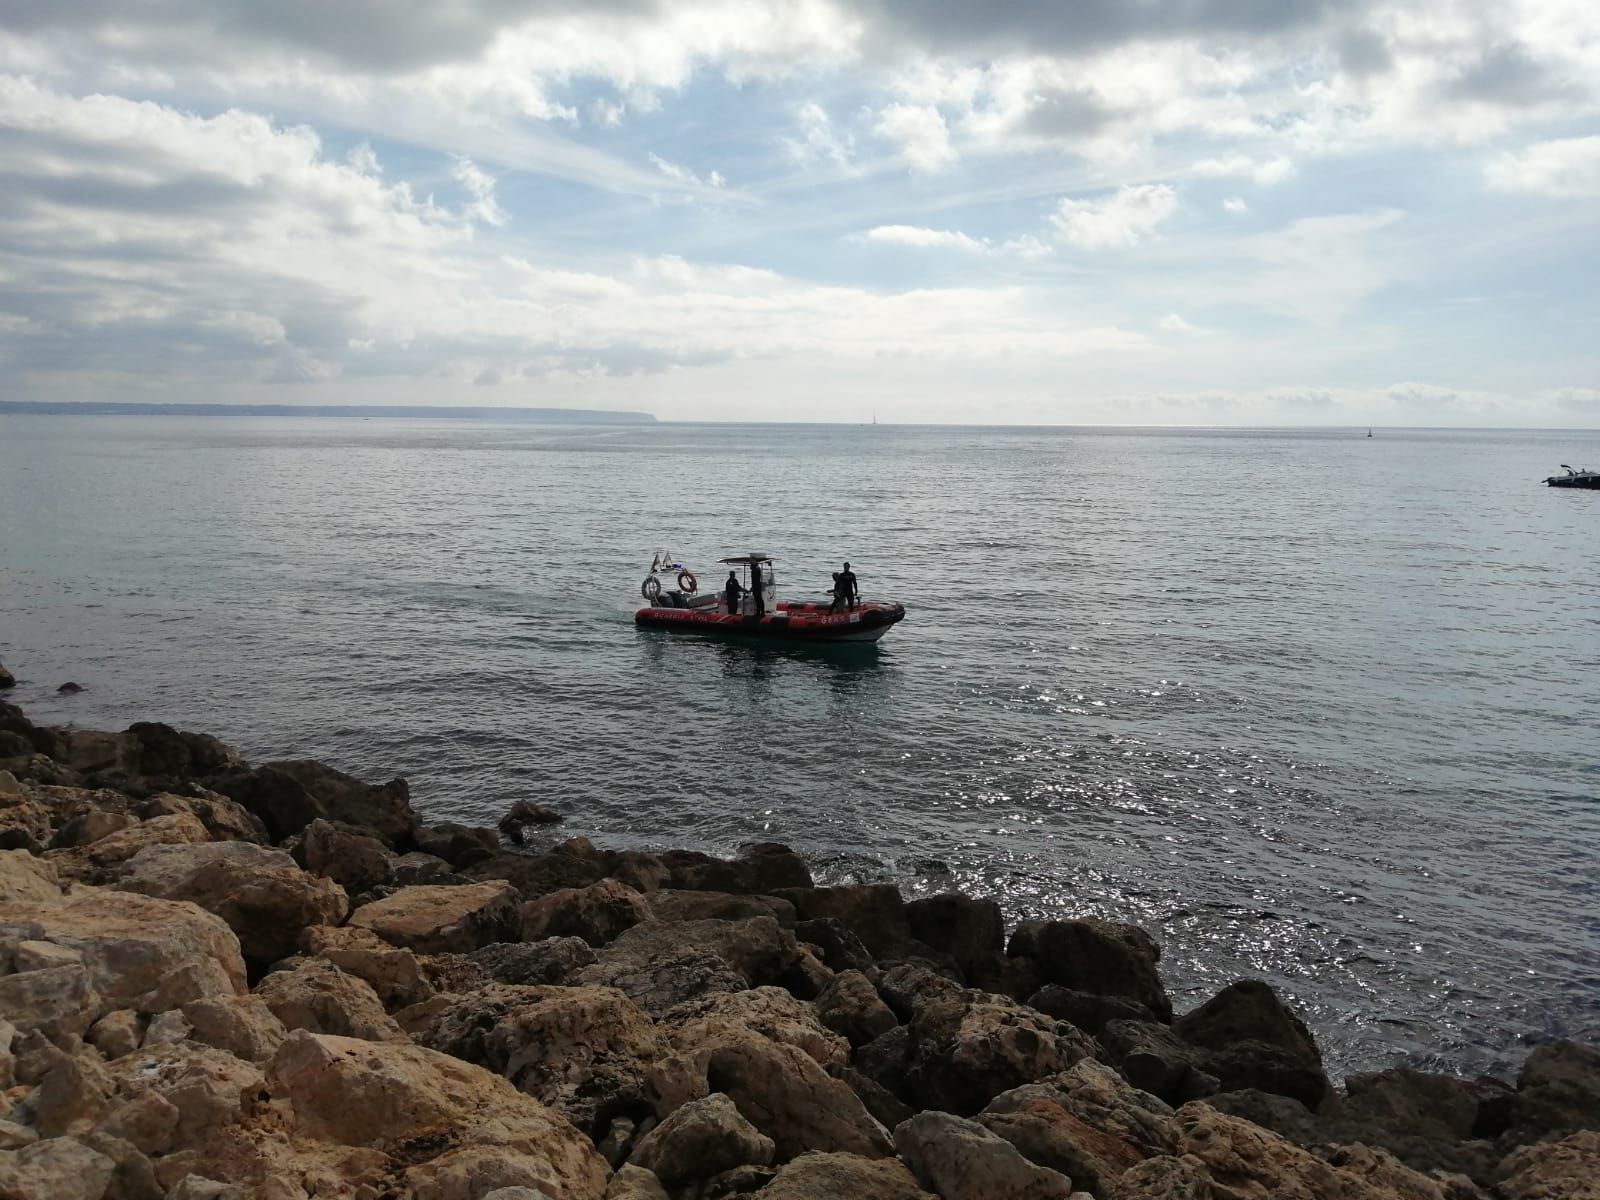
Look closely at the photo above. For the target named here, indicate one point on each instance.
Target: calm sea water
(1312, 707)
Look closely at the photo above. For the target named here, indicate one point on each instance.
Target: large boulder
(536, 875)
(874, 912)
(444, 919)
(1558, 1092)
(820, 1176)
(662, 980)
(851, 1006)
(553, 960)
(244, 1026)
(1096, 956)
(138, 952)
(288, 796)
(318, 996)
(769, 1012)
(759, 950)
(1034, 1119)
(760, 869)
(97, 860)
(784, 1093)
(674, 904)
(583, 1051)
(969, 1048)
(396, 975)
(700, 1139)
(1256, 1042)
(357, 862)
(971, 931)
(597, 913)
(961, 1160)
(263, 896)
(1568, 1169)
(27, 879)
(55, 1169)
(357, 1093)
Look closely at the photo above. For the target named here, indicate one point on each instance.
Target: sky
(1149, 212)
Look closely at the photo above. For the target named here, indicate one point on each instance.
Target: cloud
(1123, 219)
(1263, 171)
(818, 140)
(1562, 167)
(1316, 269)
(952, 239)
(478, 183)
(682, 174)
(1173, 323)
(920, 131)
(1235, 205)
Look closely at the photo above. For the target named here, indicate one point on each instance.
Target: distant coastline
(583, 416)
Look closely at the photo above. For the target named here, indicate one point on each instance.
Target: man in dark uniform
(731, 591)
(847, 584)
(757, 593)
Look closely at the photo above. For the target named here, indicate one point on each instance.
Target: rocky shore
(277, 981)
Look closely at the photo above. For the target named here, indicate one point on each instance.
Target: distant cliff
(570, 416)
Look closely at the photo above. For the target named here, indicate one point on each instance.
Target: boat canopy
(745, 560)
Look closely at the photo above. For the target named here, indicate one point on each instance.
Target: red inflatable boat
(674, 602)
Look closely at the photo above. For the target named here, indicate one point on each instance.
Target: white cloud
(682, 174)
(1125, 218)
(1562, 167)
(480, 185)
(1263, 171)
(920, 131)
(1317, 269)
(1235, 205)
(818, 140)
(1173, 323)
(915, 235)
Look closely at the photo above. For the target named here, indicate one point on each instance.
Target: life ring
(650, 589)
(688, 582)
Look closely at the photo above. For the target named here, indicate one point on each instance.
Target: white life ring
(650, 589)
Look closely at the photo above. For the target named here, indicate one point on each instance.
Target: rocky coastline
(225, 980)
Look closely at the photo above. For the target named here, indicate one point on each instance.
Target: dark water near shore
(1312, 707)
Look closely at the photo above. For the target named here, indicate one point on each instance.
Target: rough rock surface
(1096, 956)
(263, 896)
(443, 920)
(851, 1006)
(597, 913)
(1568, 1169)
(700, 1139)
(961, 1160)
(818, 1176)
(318, 996)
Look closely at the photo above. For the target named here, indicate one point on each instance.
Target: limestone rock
(56, 1169)
(553, 960)
(170, 1026)
(245, 1026)
(536, 875)
(1088, 1011)
(597, 913)
(961, 1160)
(262, 895)
(318, 996)
(850, 1005)
(522, 814)
(288, 796)
(225, 820)
(635, 1183)
(644, 873)
(700, 1139)
(673, 904)
(148, 1122)
(173, 829)
(874, 913)
(24, 823)
(784, 1093)
(209, 1088)
(1155, 1059)
(840, 949)
(72, 1097)
(1256, 1042)
(1166, 1178)
(357, 1093)
(909, 987)
(819, 1176)
(759, 949)
(57, 1001)
(967, 1049)
(660, 979)
(770, 1012)
(1568, 1169)
(970, 930)
(1033, 1119)
(26, 879)
(117, 1033)
(356, 862)
(1558, 1092)
(443, 920)
(583, 1051)
(394, 974)
(1096, 956)
(459, 845)
(1102, 1099)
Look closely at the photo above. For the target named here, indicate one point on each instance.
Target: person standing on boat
(847, 585)
(757, 592)
(731, 591)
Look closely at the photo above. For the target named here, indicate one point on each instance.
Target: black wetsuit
(847, 581)
(731, 593)
(757, 592)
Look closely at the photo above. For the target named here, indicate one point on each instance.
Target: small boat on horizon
(1583, 478)
(674, 602)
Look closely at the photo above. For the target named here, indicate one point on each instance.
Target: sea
(1312, 707)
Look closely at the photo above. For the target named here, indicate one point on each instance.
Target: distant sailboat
(1369, 433)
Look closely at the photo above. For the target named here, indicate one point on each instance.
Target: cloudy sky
(1127, 211)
